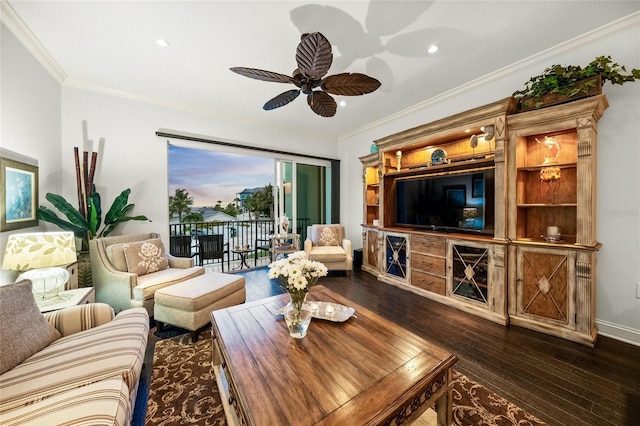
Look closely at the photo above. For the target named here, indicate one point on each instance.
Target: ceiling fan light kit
(314, 58)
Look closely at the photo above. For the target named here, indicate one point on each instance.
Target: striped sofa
(88, 376)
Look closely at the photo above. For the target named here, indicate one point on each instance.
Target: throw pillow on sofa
(24, 329)
(145, 257)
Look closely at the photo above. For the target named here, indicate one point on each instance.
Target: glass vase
(297, 316)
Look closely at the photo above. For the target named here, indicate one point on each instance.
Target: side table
(66, 298)
(284, 244)
(73, 276)
(242, 252)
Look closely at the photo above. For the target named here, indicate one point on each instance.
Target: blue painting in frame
(18, 195)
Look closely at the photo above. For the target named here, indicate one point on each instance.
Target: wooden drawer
(428, 244)
(215, 351)
(432, 264)
(238, 413)
(428, 282)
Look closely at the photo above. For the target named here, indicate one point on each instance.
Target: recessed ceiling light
(343, 103)
(432, 49)
(162, 43)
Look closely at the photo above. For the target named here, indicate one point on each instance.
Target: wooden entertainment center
(493, 212)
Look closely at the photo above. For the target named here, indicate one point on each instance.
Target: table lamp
(39, 257)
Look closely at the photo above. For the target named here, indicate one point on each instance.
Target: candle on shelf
(399, 158)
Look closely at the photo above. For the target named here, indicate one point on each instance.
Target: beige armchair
(128, 269)
(327, 244)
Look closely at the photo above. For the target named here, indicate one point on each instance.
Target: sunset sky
(210, 176)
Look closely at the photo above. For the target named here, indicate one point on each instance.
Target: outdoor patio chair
(181, 246)
(261, 245)
(213, 247)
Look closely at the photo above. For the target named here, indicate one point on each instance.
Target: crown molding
(16, 25)
(623, 24)
(190, 108)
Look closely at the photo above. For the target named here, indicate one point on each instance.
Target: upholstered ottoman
(189, 304)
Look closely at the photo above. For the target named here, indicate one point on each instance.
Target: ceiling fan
(314, 58)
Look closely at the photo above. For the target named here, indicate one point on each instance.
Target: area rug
(183, 392)
(183, 388)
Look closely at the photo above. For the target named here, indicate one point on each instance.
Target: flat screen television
(460, 202)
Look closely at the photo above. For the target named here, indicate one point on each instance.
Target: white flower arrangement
(297, 272)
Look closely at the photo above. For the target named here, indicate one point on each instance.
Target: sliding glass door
(302, 193)
(223, 185)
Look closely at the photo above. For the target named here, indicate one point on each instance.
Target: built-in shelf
(477, 163)
(547, 205)
(539, 167)
(538, 179)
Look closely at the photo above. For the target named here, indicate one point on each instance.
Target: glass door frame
(286, 182)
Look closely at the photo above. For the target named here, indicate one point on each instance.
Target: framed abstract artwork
(18, 195)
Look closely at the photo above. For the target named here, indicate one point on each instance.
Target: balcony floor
(234, 265)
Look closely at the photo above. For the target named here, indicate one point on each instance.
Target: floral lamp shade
(39, 250)
(39, 256)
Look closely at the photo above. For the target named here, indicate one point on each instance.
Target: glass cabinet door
(471, 272)
(396, 255)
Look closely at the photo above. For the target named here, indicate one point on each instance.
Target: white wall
(30, 111)
(618, 159)
(132, 156)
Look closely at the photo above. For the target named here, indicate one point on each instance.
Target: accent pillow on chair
(145, 257)
(115, 254)
(24, 331)
(326, 235)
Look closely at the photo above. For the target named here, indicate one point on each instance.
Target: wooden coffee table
(364, 371)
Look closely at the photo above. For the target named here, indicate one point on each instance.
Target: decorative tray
(325, 310)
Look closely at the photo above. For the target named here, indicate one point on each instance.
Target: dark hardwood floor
(560, 382)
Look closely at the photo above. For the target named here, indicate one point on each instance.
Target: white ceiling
(110, 46)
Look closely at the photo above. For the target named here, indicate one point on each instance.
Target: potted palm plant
(559, 83)
(89, 226)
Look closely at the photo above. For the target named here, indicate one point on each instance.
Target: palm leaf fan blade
(263, 75)
(322, 103)
(350, 84)
(314, 56)
(281, 100)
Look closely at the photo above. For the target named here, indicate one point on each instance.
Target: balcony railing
(237, 234)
